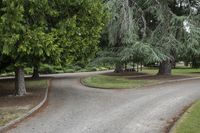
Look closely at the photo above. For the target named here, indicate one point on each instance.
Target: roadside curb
(29, 113)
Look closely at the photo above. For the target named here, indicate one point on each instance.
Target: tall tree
(158, 29)
(33, 32)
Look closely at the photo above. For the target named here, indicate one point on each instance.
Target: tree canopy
(53, 31)
(152, 30)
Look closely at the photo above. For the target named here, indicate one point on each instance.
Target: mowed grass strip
(114, 82)
(190, 122)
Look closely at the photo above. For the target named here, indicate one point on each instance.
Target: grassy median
(190, 122)
(130, 80)
(114, 82)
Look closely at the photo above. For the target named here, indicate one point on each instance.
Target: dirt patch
(11, 106)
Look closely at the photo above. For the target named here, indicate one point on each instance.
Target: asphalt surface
(74, 108)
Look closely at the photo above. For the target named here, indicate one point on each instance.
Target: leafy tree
(78, 25)
(53, 31)
(24, 38)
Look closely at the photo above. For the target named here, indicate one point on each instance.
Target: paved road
(74, 108)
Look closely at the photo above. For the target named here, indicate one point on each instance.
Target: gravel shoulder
(74, 108)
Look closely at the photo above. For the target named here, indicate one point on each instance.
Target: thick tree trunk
(118, 68)
(36, 72)
(165, 68)
(20, 82)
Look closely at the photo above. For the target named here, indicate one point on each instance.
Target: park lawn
(186, 71)
(114, 82)
(12, 107)
(190, 122)
(177, 71)
(130, 80)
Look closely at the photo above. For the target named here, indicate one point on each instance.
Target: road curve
(74, 108)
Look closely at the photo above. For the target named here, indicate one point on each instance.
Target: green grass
(114, 82)
(122, 82)
(190, 122)
(186, 71)
(177, 71)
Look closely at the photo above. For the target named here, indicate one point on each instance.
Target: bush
(77, 68)
(91, 69)
(46, 69)
(28, 70)
(58, 68)
(69, 70)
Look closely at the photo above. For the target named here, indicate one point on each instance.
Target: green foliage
(151, 31)
(46, 69)
(24, 35)
(79, 27)
(33, 32)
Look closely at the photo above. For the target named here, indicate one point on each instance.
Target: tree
(24, 38)
(157, 33)
(128, 38)
(79, 25)
(53, 31)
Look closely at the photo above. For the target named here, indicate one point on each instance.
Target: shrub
(46, 69)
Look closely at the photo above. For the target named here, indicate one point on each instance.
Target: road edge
(181, 116)
(30, 112)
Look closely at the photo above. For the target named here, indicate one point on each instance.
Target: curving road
(74, 108)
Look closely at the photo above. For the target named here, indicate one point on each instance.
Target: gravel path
(74, 108)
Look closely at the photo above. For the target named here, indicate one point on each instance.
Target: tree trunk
(35, 72)
(141, 67)
(125, 66)
(137, 67)
(165, 68)
(186, 63)
(20, 82)
(173, 63)
(118, 68)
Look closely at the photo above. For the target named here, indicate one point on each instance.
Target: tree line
(116, 32)
(152, 31)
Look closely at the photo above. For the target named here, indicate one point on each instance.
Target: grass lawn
(12, 107)
(177, 71)
(114, 82)
(190, 122)
(127, 80)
